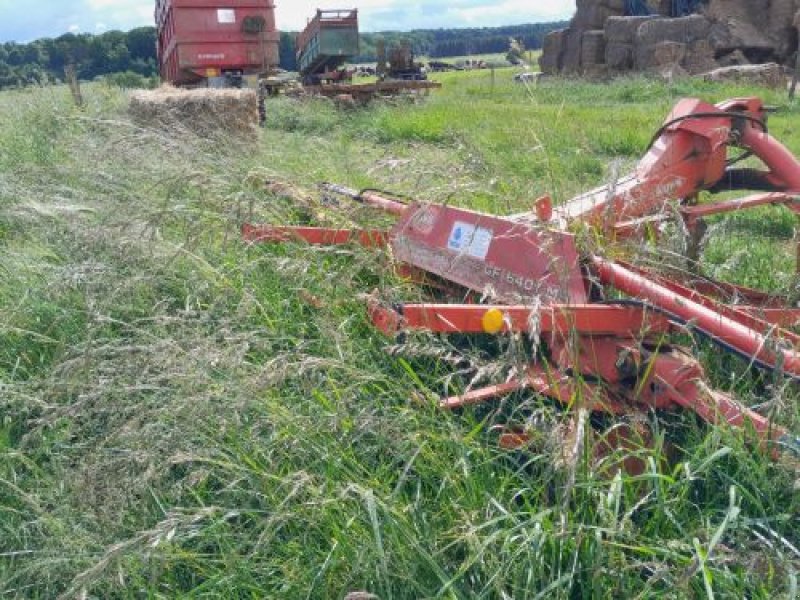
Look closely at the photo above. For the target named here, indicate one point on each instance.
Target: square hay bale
(669, 53)
(571, 55)
(684, 30)
(700, 58)
(203, 111)
(769, 75)
(552, 50)
(622, 30)
(593, 48)
(619, 56)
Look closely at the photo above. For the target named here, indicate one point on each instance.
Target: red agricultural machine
(604, 327)
(216, 43)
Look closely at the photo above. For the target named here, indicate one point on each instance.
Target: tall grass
(183, 416)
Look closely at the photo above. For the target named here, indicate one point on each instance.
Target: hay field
(185, 417)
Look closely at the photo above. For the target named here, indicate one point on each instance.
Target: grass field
(185, 417)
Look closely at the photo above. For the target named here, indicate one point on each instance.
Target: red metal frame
(610, 357)
(590, 319)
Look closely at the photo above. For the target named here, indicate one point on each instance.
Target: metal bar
(714, 208)
(567, 391)
(782, 163)
(714, 288)
(723, 328)
(587, 319)
(782, 317)
(485, 394)
(716, 407)
(314, 235)
(738, 314)
(368, 197)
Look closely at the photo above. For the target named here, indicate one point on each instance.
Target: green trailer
(327, 42)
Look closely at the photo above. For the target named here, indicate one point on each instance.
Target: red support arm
(585, 319)
(765, 349)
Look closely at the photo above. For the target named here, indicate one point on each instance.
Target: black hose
(706, 115)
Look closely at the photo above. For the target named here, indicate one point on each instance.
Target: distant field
(531, 56)
(182, 416)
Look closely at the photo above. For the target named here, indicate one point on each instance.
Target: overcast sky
(25, 21)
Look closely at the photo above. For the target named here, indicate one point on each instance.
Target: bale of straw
(571, 55)
(202, 111)
(668, 53)
(553, 47)
(700, 58)
(622, 30)
(769, 75)
(683, 30)
(593, 48)
(619, 56)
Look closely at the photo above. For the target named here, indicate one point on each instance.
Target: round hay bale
(202, 111)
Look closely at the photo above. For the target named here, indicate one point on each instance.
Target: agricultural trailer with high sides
(328, 41)
(216, 43)
(608, 334)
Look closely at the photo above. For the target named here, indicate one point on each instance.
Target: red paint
(493, 255)
(724, 328)
(600, 357)
(593, 319)
(195, 39)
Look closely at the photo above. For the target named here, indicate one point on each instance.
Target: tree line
(114, 52)
(131, 56)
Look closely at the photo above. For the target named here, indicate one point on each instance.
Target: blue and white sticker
(466, 238)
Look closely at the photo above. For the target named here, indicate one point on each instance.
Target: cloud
(51, 18)
(382, 15)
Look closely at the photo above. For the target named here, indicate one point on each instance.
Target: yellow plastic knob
(492, 320)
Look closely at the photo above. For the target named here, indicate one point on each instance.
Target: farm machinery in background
(603, 328)
(398, 63)
(225, 43)
(235, 44)
(331, 39)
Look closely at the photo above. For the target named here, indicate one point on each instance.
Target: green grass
(182, 416)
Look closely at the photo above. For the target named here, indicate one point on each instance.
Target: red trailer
(215, 42)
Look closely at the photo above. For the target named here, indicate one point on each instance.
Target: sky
(26, 21)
